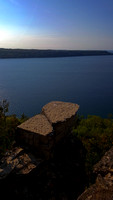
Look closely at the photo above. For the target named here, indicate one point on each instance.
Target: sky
(56, 24)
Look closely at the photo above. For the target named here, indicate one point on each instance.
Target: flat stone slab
(37, 124)
(57, 111)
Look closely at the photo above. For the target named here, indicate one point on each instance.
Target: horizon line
(57, 49)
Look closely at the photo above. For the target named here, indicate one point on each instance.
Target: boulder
(42, 132)
(36, 133)
(61, 116)
(57, 111)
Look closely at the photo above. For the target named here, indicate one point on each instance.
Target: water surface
(28, 84)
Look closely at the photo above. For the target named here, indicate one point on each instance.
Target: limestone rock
(61, 115)
(57, 111)
(17, 161)
(105, 165)
(43, 131)
(36, 132)
(103, 187)
(37, 124)
(101, 190)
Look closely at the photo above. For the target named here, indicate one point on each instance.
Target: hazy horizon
(58, 24)
(58, 49)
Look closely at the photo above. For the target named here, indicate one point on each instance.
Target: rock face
(18, 161)
(36, 133)
(105, 165)
(103, 187)
(42, 132)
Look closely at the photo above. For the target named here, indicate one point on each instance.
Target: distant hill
(37, 53)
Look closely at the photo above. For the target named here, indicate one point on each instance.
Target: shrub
(96, 135)
(8, 126)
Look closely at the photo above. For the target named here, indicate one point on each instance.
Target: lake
(28, 84)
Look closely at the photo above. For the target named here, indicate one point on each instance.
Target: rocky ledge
(26, 175)
(43, 131)
(103, 187)
(18, 161)
(39, 135)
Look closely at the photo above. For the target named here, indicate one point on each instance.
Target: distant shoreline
(37, 53)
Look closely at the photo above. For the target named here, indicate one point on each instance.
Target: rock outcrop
(103, 187)
(39, 135)
(43, 131)
(27, 173)
(30, 171)
(18, 161)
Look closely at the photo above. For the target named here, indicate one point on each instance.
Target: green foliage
(23, 118)
(96, 135)
(4, 107)
(8, 126)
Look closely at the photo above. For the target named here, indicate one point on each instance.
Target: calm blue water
(28, 84)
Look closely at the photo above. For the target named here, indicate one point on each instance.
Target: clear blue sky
(56, 24)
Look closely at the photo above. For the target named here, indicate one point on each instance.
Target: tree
(4, 107)
(8, 126)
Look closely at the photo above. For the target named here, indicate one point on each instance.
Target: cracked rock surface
(103, 187)
(17, 160)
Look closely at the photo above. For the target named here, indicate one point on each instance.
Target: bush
(96, 135)
(8, 126)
